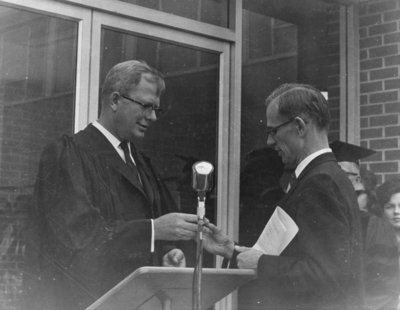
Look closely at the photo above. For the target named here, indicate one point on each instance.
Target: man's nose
(152, 116)
(397, 208)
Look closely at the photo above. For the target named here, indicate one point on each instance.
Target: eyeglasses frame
(272, 131)
(146, 107)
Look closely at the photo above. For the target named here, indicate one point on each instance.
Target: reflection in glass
(188, 130)
(37, 85)
(270, 57)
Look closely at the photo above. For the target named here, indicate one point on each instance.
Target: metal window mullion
(349, 75)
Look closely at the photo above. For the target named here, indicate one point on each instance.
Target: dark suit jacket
(322, 266)
(93, 220)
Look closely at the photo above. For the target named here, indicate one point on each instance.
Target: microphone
(202, 182)
(202, 176)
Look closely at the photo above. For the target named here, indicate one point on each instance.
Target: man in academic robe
(321, 267)
(102, 210)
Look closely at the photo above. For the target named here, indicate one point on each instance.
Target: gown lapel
(99, 144)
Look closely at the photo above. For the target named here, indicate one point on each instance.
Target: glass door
(42, 61)
(196, 74)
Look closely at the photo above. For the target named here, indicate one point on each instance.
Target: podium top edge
(154, 279)
(180, 270)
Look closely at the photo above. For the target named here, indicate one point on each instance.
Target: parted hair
(301, 100)
(124, 76)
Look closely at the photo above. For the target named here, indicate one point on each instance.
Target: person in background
(321, 268)
(101, 208)
(348, 156)
(382, 259)
(369, 200)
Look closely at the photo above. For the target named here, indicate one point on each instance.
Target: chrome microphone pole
(201, 182)
(199, 251)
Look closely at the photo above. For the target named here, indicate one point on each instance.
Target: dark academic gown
(93, 221)
(321, 268)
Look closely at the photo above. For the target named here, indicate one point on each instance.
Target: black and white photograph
(200, 154)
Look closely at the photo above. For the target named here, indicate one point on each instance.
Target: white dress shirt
(304, 163)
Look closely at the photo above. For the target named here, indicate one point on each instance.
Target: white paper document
(277, 234)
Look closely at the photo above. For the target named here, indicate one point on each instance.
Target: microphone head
(202, 180)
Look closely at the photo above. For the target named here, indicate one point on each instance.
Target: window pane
(214, 12)
(37, 88)
(270, 57)
(188, 132)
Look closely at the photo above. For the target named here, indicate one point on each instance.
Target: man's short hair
(301, 100)
(124, 76)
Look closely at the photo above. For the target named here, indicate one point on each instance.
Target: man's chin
(139, 134)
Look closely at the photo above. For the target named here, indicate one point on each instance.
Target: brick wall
(380, 83)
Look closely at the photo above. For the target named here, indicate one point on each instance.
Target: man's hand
(216, 242)
(174, 258)
(248, 257)
(175, 226)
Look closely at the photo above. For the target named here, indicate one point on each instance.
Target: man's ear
(301, 125)
(114, 97)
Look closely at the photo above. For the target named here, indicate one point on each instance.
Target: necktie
(139, 172)
(129, 161)
(292, 181)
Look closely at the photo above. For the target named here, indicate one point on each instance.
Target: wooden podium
(168, 288)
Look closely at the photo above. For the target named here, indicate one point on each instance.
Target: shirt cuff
(152, 236)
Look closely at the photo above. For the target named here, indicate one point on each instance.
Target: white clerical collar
(304, 163)
(110, 137)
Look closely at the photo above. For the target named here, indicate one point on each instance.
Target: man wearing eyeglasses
(102, 208)
(321, 268)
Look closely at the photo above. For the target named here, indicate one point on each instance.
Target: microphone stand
(197, 281)
(201, 182)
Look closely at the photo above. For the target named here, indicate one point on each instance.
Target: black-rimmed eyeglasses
(272, 131)
(147, 108)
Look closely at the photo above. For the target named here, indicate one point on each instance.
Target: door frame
(184, 38)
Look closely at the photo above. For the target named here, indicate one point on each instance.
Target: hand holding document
(277, 234)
